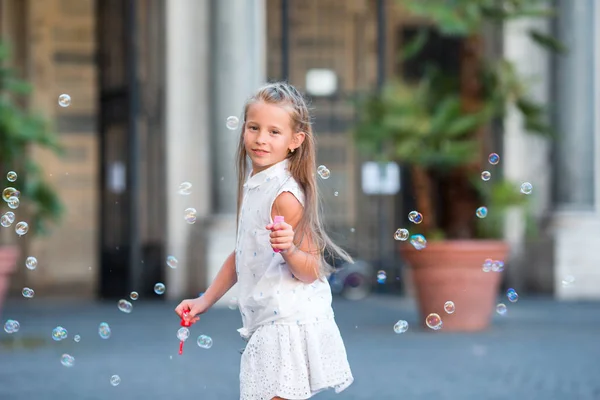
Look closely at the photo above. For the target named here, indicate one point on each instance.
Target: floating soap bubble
(77, 338)
(485, 176)
(159, 288)
(190, 215)
(415, 217)
(21, 228)
(449, 307)
(134, 295)
(434, 321)
(59, 333)
(501, 309)
(31, 263)
(336, 194)
(11, 216)
(172, 262)
(418, 241)
(64, 100)
(232, 123)
(5, 221)
(9, 192)
(481, 212)
(512, 295)
(104, 330)
(115, 380)
(183, 334)
(526, 188)
(323, 172)
(28, 293)
(497, 266)
(11, 326)
(487, 265)
(401, 326)
(233, 303)
(568, 280)
(11, 176)
(185, 189)
(67, 360)
(401, 234)
(125, 306)
(381, 276)
(494, 158)
(205, 341)
(13, 202)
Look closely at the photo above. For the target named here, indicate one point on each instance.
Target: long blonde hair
(302, 166)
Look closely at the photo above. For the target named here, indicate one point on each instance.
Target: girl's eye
(275, 132)
(253, 128)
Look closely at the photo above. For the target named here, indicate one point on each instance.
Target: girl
(294, 347)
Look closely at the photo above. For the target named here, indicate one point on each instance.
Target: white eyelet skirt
(294, 361)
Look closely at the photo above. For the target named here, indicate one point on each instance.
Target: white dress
(294, 347)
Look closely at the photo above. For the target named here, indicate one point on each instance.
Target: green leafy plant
(437, 125)
(19, 130)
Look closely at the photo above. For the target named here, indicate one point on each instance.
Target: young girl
(294, 347)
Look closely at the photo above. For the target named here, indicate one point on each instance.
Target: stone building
(153, 81)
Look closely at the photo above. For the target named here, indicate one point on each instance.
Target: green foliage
(19, 129)
(425, 123)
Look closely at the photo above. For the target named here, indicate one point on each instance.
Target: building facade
(153, 81)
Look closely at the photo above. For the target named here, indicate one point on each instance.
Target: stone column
(238, 69)
(577, 219)
(187, 134)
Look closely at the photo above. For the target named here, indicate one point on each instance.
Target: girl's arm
(303, 258)
(225, 279)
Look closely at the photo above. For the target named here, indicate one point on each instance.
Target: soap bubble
(172, 262)
(59, 333)
(5, 221)
(512, 295)
(526, 188)
(134, 295)
(449, 307)
(568, 280)
(104, 330)
(205, 342)
(11, 216)
(11, 176)
(401, 326)
(115, 380)
(13, 202)
(415, 217)
(64, 100)
(232, 123)
(9, 192)
(501, 308)
(381, 276)
(183, 334)
(323, 172)
(11, 326)
(28, 293)
(401, 234)
(77, 338)
(418, 241)
(190, 215)
(434, 321)
(481, 212)
(21, 228)
(185, 189)
(487, 265)
(125, 306)
(486, 175)
(31, 263)
(67, 360)
(233, 303)
(494, 158)
(159, 288)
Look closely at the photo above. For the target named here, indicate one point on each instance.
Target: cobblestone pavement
(541, 349)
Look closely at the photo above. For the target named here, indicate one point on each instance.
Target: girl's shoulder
(290, 184)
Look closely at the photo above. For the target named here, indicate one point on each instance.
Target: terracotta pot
(8, 261)
(451, 271)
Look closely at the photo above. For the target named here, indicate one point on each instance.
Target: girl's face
(268, 135)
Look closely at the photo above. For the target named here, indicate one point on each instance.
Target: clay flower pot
(8, 261)
(452, 271)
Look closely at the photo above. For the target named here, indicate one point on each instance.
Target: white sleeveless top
(268, 292)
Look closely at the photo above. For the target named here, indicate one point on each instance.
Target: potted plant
(38, 202)
(439, 127)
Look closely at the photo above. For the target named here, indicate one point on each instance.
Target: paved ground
(540, 350)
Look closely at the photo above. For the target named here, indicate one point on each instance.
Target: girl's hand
(282, 236)
(195, 306)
